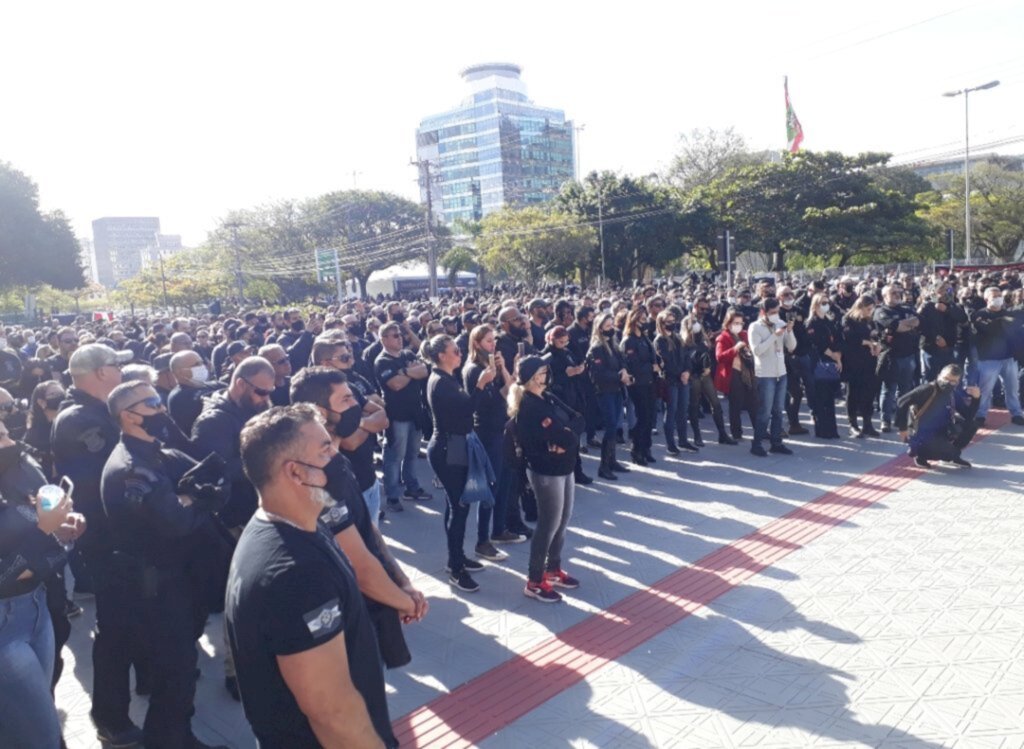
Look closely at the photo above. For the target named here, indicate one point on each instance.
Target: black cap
(528, 367)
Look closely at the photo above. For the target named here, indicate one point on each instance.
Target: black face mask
(609, 334)
(298, 325)
(354, 332)
(9, 456)
(54, 403)
(155, 425)
(398, 317)
(348, 421)
(519, 332)
(945, 386)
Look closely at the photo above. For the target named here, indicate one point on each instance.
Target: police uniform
(83, 437)
(158, 544)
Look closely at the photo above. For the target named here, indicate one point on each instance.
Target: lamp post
(967, 160)
(577, 129)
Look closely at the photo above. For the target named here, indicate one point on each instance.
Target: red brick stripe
(475, 710)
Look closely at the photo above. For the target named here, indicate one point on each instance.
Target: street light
(967, 161)
(576, 142)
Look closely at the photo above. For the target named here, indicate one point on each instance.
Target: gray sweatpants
(555, 496)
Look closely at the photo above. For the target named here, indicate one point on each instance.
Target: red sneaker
(560, 579)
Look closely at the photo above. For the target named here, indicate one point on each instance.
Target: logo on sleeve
(324, 620)
(336, 514)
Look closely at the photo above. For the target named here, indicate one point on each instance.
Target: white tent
(413, 278)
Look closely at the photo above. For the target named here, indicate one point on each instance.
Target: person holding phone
(608, 371)
(33, 536)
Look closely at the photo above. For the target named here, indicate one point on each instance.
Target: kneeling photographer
(937, 419)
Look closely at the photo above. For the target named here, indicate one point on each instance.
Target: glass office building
(497, 149)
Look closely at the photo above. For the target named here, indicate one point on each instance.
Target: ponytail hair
(432, 349)
(515, 398)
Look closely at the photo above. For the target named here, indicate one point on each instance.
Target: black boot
(697, 439)
(581, 478)
(637, 457)
(607, 457)
(723, 435)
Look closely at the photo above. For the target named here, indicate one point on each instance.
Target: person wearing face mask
(860, 349)
(734, 374)
(769, 337)
(799, 367)
(278, 358)
(450, 452)
(608, 372)
(642, 366)
(548, 432)
(937, 419)
(900, 333)
(45, 402)
(295, 617)
(940, 323)
(993, 331)
(390, 597)
(185, 402)
(826, 346)
(675, 365)
(515, 330)
(702, 381)
(539, 319)
(217, 430)
(164, 538)
(31, 631)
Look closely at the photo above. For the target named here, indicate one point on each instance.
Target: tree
(705, 155)
(641, 221)
(997, 209)
(533, 242)
(825, 204)
(35, 247)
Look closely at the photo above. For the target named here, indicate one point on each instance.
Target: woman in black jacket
(566, 373)
(676, 368)
(860, 348)
(702, 383)
(642, 367)
(548, 432)
(452, 409)
(31, 554)
(826, 341)
(608, 372)
(43, 405)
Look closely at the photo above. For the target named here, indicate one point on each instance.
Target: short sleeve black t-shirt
(404, 404)
(361, 459)
(289, 591)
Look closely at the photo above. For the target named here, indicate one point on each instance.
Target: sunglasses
(262, 392)
(151, 402)
(279, 362)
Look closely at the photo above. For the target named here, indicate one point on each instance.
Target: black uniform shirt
(404, 404)
(291, 590)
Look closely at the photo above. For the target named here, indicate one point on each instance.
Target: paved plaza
(840, 597)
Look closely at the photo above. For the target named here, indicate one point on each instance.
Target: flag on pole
(794, 132)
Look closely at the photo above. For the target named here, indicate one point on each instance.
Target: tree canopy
(35, 247)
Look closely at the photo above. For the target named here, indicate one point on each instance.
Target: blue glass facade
(497, 149)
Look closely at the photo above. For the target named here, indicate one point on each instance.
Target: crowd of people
(180, 466)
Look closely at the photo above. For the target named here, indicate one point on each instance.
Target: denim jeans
(372, 499)
(1006, 371)
(611, 410)
(901, 381)
(28, 716)
(676, 412)
(401, 446)
(771, 397)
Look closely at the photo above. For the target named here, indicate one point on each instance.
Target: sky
(188, 110)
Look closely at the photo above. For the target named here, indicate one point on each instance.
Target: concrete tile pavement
(802, 655)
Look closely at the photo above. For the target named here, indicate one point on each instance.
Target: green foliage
(534, 243)
(35, 248)
(997, 210)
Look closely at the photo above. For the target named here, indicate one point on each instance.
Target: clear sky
(187, 110)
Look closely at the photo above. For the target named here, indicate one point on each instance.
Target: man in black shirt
(402, 378)
(295, 618)
(900, 331)
(185, 402)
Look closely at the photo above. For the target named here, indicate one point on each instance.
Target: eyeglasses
(279, 362)
(262, 392)
(152, 401)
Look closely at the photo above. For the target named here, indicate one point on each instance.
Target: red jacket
(725, 352)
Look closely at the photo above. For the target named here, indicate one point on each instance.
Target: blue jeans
(771, 397)
(372, 499)
(677, 410)
(401, 446)
(611, 410)
(1005, 370)
(28, 716)
(901, 380)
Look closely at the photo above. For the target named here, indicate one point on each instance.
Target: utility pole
(238, 259)
(424, 167)
(337, 274)
(160, 257)
(600, 234)
(577, 129)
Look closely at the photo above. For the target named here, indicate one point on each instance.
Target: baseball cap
(95, 356)
(237, 347)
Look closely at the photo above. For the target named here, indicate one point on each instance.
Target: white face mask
(200, 373)
(736, 329)
(696, 327)
(824, 309)
(773, 318)
(731, 300)
(787, 303)
(996, 303)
